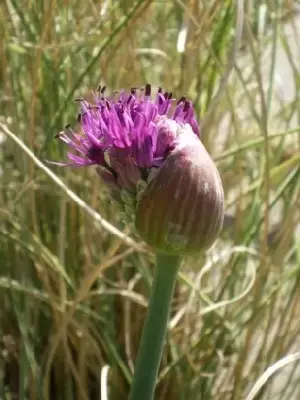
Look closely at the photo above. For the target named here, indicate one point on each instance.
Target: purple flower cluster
(127, 135)
(133, 125)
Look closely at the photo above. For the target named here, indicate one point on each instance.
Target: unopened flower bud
(181, 210)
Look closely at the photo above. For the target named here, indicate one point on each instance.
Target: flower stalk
(155, 327)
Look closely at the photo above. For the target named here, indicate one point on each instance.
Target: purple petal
(79, 160)
(149, 110)
(89, 127)
(143, 154)
(139, 127)
(119, 134)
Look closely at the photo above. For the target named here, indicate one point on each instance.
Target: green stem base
(155, 327)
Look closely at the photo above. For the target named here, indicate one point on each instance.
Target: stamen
(170, 96)
(186, 106)
(130, 98)
(159, 90)
(68, 126)
(79, 117)
(182, 99)
(103, 89)
(147, 89)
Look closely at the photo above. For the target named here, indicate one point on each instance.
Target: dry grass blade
(104, 382)
(238, 32)
(96, 217)
(263, 379)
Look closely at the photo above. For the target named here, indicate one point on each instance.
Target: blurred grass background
(73, 295)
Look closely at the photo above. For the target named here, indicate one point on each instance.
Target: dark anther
(186, 106)
(79, 117)
(147, 89)
(79, 99)
(103, 89)
(182, 99)
(133, 90)
(159, 90)
(107, 104)
(68, 126)
(99, 88)
(166, 94)
(57, 136)
(170, 96)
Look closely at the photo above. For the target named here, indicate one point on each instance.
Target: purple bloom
(130, 126)
(127, 135)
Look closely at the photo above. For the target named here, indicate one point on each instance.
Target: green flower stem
(155, 327)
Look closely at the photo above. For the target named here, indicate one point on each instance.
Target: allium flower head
(149, 154)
